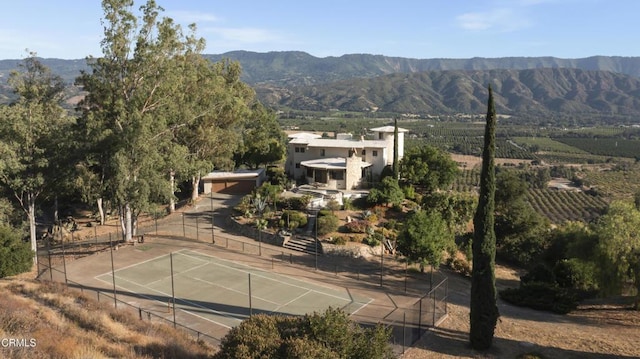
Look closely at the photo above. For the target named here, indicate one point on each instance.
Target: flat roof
(333, 143)
(334, 163)
(242, 173)
(388, 129)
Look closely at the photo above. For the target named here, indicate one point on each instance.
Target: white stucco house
(344, 162)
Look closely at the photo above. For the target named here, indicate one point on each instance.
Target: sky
(421, 29)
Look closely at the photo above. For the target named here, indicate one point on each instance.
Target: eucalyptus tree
(29, 129)
(213, 109)
(127, 114)
(263, 140)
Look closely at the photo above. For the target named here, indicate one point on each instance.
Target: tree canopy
(15, 255)
(386, 192)
(425, 237)
(428, 167)
(30, 129)
(155, 109)
(618, 246)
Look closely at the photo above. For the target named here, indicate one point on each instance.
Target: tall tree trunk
(483, 307)
(128, 233)
(55, 209)
(195, 184)
(172, 183)
(32, 226)
(134, 225)
(100, 210)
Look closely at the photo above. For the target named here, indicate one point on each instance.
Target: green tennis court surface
(217, 290)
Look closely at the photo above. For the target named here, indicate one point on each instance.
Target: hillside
(50, 321)
(289, 68)
(539, 90)
(600, 85)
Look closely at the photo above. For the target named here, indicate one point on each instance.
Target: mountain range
(361, 82)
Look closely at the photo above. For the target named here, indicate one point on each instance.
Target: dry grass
(68, 324)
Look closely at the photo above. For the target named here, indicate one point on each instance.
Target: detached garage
(237, 182)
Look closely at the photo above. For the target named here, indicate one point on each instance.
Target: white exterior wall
(315, 148)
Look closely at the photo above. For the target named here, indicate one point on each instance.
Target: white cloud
(503, 20)
(245, 35)
(191, 16)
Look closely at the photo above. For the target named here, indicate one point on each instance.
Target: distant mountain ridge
(288, 68)
(359, 82)
(431, 92)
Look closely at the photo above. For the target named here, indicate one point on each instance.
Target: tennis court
(225, 292)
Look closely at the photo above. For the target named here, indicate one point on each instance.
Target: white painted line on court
(176, 273)
(168, 295)
(233, 290)
(362, 306)
(207, 319)
(149, 260)
(292, 300)
(254, 269)
(135, 264)
(273, 279)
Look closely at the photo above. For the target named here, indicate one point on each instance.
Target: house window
(375, 153)
(364, 152)
(337, 175)
(297, 149)
(298, 165)
(301, 149)
(379, 135)
(309, 172)
(322, 152)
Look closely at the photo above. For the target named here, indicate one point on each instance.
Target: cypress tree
(484, 310)
(396, 170)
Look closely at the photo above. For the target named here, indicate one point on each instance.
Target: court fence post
(250, 306)
(184, 233)
(197, 230)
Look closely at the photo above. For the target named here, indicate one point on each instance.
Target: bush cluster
(293, 219)
(357, 226)
(541, 296)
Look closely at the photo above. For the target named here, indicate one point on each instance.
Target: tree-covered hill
(598, 85)
(431, 92)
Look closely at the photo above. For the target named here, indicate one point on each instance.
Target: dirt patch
(469, 162)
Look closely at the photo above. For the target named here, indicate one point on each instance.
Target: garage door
(233, 187)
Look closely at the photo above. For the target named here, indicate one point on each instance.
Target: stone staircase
(303, 244)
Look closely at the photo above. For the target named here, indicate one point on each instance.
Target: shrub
(540, 273)
(370, 217)
(333, 205)
(576, 274)
(391, 224)
(373, 240)
(341, 241)
(295, 203)
(541, 296)
(327, 224)
(291, 217)
(358, 226)
(347, 203)
(15, 255)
